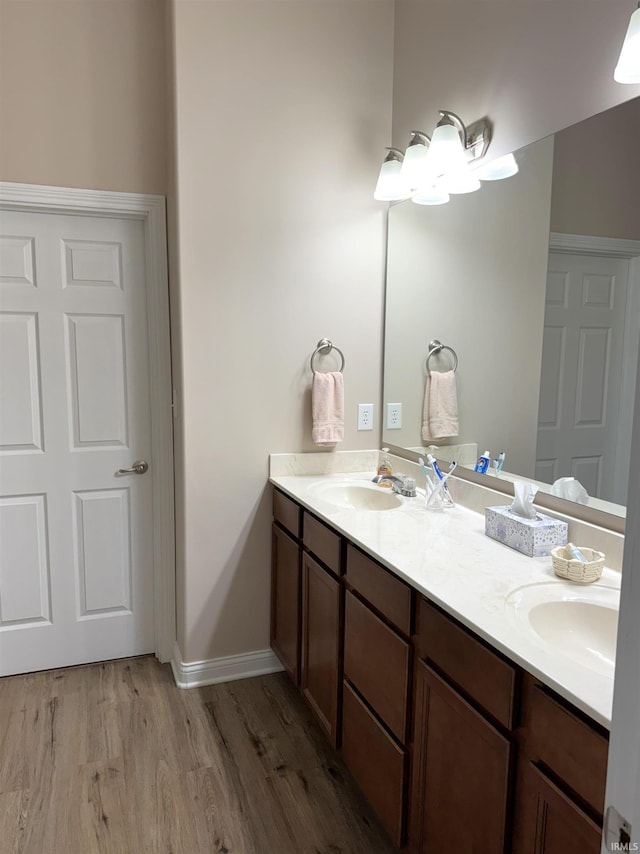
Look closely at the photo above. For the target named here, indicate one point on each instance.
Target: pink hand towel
(440, 412)
(426, 411)
(327, 408)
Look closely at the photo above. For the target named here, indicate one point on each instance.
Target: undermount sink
(358, 495)
(580, 625)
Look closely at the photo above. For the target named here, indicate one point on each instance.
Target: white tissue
(523, 495)
(571, 489)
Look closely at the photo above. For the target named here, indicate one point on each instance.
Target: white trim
(193, 674)
(630, 352)
(584, 244)
(151, 210)
(623, 771)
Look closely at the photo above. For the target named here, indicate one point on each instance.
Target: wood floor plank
(113, 758)
(13, 809)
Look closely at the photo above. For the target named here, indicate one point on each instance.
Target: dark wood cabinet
(321, 643)
(377, 679)
(376, 760)
(549, 821)
(376, 662)
(561, 776)
(322, 542)
(556, 736)
(385, 593)
(287, 513)
(478, 671)
(461, 774)
(455, 746)
(285, 601)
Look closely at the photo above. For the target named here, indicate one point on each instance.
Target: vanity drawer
(479, 672)
(287, 513)
(376, 762)
(388, 595)
(566, 744)
(376, 661)
(322, 542)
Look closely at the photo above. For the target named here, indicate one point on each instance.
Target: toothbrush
(499, 462)
(441, 497)
(425, 471)
(438, 473)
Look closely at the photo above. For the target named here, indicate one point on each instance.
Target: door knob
(139, 467)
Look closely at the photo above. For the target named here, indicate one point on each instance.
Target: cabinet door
(285, 601)
(548, 822)
(461, 774)
(376, 761)
(321, 598)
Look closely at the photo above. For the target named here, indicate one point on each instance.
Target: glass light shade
(390, 187)
(430, 195)
(461, 182)
(628, 67)
(501, 167)
(413, 164)
(446, 153)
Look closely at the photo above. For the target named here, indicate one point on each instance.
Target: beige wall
(82, 94)
(283, 109)
(286, 246)
(472, 274)
(532, 66)
(596, 179)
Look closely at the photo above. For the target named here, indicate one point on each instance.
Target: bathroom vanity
(462, 733)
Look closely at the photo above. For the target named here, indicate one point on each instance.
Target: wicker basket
(576, 570)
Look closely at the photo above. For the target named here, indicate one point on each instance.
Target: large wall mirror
(534, 282)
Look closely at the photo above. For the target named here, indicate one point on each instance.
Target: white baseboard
(193, 674)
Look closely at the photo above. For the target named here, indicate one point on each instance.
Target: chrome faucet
(400, 483)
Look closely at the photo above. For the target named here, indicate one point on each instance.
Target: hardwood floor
(112, 758)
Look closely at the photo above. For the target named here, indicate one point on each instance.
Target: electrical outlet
(394, 416)
(365, 416)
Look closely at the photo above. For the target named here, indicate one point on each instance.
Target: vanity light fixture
(496, 170)
(628, 68)
(430, 169)
(453, 147)
(430, 195)
(446, 152)
(415, 158)
(390, 187)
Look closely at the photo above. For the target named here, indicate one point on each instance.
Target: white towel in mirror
(440, 411)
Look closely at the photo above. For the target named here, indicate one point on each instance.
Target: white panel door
(581, 371)
(76, 573)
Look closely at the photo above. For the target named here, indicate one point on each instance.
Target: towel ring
(436, 347)
(325, 347)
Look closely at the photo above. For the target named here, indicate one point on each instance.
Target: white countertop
(447, 556)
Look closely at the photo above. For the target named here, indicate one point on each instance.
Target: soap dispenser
(384, 466)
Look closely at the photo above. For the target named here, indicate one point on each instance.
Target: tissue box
(533, 537)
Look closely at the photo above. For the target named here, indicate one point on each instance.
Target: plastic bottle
(483, 463)
(384, 466)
